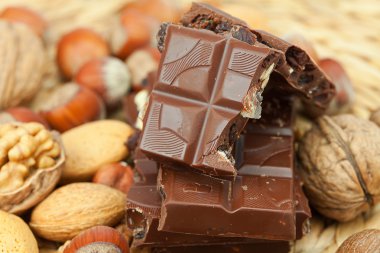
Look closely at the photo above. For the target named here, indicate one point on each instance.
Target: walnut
(341, 166)
(22, 64)
(30, 161)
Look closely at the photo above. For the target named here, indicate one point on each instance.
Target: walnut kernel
(24, 148)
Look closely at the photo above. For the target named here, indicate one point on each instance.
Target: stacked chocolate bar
(216, 162)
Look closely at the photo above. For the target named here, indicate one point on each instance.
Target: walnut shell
(76, 207)
(35, 188)
(341, 166)
(22, 64)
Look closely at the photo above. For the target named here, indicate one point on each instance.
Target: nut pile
(67, 148)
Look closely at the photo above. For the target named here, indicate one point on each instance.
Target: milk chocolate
(207, 87)
(254, 206)
(143, 213)
(264, 188)
(272, 247)
(302, 74)
(266, 168)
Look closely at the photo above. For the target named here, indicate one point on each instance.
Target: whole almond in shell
(76, 207)
(92, 145)
(15, 235)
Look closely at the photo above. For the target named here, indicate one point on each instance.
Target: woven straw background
(345, 30)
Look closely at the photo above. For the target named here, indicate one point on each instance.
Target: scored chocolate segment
(272, 247)
(207, 87)
(259, 203)
(302, 74)
(252, 206)
(143, 214)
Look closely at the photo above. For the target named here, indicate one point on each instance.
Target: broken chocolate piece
(259, 203)
(143, 213)
(207, 87)
(264, 183)
(253, 206)
(144, 209)
(270, 247)
(304, 77)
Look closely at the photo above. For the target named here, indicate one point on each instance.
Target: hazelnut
(366, 241)
(21, 114)
(135, 30)
(116, 175)
(162, 10)
(98, 239)
(71, 105)
(340, 159)
(78, 47)
(345, 94)
(141, 63)
(26, 16)
(108, 77)
(300, 41)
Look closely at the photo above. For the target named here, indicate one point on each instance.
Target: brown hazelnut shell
(35, 188)
(116, 175)
(134, 31)
(21, 114)
(78, 47)
(162, 10)
(83, 106)
(98, 239)
(26, 16)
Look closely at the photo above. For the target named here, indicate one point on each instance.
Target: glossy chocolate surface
(207, 87)
(143, 214)
(273, 247)
(260, 201)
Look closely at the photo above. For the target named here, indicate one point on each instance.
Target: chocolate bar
(302, 75)
(144, 209)
(143, 213)
(267, 161)
(198, 204)
(273, 247)
(207, 87)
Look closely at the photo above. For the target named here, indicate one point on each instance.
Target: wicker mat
(345, 30)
